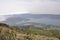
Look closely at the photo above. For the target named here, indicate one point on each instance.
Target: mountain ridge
(38, 18)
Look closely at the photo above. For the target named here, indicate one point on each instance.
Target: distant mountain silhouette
(37, 18)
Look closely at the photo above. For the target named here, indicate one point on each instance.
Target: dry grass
(21, 36)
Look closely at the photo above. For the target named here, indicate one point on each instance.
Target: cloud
(45, 7)
(29, 6)
(2, 18)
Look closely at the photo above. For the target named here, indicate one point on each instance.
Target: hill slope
(8, 33)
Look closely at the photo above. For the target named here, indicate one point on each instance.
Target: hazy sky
(29, 6)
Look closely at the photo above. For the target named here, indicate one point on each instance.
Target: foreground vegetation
(27, 33)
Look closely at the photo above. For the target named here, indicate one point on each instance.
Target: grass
(7, 33)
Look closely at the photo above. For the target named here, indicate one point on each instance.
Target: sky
(8, 7)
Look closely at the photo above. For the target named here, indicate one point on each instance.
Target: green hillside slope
(9, 33)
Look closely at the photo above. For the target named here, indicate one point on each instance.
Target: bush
(7, 35)
(3, 24)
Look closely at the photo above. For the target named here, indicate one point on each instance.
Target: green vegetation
(27, 33)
